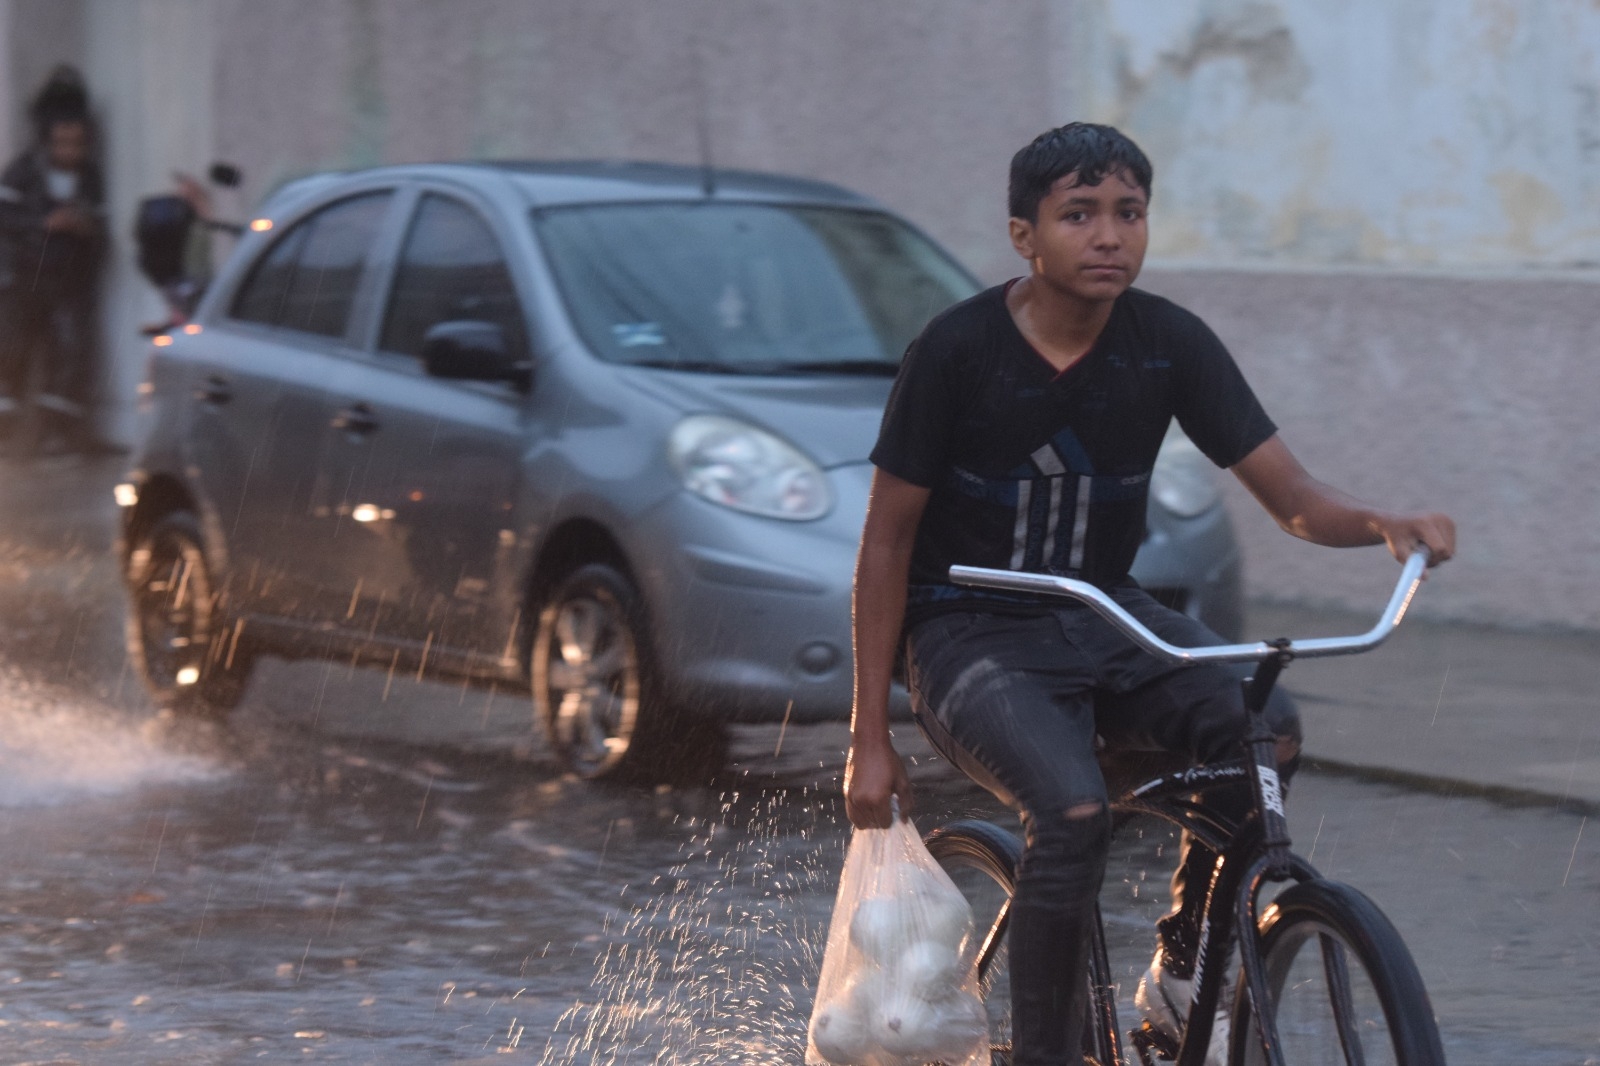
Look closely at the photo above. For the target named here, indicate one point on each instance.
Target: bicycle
(1324, 975)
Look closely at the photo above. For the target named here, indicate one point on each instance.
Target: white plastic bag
(899, 984)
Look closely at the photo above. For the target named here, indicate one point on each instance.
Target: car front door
(264, 397)
(428, 483)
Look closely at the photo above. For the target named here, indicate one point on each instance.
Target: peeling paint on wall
(1528, 204)
(1378, 132)
(1254, 35)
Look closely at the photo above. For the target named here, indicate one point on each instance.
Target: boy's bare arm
(874, 771)
(1313, 511)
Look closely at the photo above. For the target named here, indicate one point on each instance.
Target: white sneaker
(1164, 1001)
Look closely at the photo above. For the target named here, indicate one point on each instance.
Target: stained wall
(1388, 208)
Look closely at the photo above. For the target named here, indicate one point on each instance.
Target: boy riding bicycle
(1020, 435)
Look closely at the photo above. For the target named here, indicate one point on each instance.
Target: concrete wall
(150, 67)
(1444, 158)
(920, 104)
(1440, 154)
(1398, 132)
(38, 34)
(1467, 393)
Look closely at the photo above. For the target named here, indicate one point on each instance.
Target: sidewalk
(1511, 715)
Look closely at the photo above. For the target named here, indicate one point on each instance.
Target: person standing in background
(52, 248)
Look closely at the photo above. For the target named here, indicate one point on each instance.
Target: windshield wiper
(700, 366)
(853, 367)
(863, 367)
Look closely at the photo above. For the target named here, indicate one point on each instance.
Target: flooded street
(188, 895)
(365, 904)
(335, 876)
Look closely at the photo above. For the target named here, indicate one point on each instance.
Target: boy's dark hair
(1091, 151)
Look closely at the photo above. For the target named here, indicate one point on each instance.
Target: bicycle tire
(981, 858)
(1353, 947)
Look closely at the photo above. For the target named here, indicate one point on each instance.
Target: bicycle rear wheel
(981, 858)
(1342, 984)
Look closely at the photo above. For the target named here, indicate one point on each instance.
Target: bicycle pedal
(1147, 1038)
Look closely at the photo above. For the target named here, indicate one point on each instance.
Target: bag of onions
(899, 983)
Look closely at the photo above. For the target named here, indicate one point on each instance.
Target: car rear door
(264, 399)
(430, 481)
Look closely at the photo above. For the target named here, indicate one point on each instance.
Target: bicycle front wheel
(1341, 985)
(981, 859)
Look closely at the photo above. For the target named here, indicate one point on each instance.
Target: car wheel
(595, 691)
(174, 623)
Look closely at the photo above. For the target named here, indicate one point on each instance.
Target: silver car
(601, 429)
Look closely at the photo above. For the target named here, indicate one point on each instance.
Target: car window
(451, 269)
(753, 288)
(307, 280)
(260, 299)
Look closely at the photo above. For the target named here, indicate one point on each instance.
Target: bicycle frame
(1244, 864)
(1249, 854)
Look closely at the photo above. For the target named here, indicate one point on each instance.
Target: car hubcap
(593, 680)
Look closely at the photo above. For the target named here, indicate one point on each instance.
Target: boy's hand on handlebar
(1432, 531)
(873, 773)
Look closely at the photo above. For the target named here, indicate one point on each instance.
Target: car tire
(175, 624)
(597, 694)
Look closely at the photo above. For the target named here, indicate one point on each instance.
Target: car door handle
(356, 420)
(215, 390)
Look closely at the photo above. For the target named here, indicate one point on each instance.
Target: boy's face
(1088, 241)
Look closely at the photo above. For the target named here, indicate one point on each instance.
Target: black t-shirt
(1044, 471)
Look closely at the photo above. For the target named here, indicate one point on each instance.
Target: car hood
(834, 420)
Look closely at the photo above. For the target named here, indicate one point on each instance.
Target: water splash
(717, 961)
(56, 747)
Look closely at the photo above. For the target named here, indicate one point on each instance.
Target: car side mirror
(470, 350)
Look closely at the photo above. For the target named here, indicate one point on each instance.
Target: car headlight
(748, 469)
(1184, 480)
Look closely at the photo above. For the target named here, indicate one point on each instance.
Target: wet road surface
(335, 877)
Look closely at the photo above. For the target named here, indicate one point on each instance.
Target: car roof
(561, 183)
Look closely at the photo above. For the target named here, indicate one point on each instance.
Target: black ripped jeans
(1016, 703)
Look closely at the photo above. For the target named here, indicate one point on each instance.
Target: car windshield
(747, 288)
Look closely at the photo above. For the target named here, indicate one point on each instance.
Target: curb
(1503, 795)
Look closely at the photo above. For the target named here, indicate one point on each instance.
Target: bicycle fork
(1220, 927)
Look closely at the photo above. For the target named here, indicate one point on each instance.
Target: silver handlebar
(1048, 584)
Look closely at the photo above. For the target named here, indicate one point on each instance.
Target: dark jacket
(32, 260)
